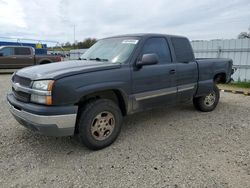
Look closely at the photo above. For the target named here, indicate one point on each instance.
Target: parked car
(116, 77)
(15, 57)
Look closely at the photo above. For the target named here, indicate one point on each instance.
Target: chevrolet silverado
(117, 76)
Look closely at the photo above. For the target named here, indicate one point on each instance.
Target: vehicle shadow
(132, 124)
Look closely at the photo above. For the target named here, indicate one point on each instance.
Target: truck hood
(62, 69)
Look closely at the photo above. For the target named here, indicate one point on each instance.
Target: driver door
(155, 85)
(7, 58)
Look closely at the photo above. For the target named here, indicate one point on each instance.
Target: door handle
(13, 57)
(172, 71)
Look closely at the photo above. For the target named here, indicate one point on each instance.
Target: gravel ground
(234, 88)
(177, 147)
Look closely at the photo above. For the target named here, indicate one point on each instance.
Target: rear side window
(7, 51)
(22, 51)
(183, 49)
(158, 46)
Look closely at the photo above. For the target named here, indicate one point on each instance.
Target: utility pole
(74, 35)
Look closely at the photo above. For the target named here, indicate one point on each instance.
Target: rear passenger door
(186, 69)
(24, 57)
(155, 85)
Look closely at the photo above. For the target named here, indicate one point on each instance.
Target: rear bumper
(50, 121)
(229, 79)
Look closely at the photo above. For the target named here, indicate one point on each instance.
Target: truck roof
(13, 46)
(146, 35)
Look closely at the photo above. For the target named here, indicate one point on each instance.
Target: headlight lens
(41, 85)
(43, 97)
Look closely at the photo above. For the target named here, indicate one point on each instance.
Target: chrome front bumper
(51, 125)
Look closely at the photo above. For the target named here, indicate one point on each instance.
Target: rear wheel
(209, 102)
(99, 124)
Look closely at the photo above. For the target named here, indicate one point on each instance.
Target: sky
(55, 19)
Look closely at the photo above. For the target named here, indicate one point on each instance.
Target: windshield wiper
(98, 59)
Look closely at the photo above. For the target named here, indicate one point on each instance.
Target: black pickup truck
(117, 76)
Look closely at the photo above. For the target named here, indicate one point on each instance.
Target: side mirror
(1, 54)
(148, 59)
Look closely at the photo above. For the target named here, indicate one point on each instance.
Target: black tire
(89, 114)
(201, 104)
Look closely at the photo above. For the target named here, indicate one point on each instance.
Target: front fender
(67, 94)
(86, 90)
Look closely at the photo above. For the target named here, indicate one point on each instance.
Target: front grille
(21, 80)
(25, 82)
(21, 96)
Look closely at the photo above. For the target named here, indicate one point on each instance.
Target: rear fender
(204, 87)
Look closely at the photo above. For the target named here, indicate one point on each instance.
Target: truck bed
(212, 66)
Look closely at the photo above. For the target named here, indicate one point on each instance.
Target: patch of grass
(240, 84)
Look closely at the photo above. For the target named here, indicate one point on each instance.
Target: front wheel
(99, 123)
(209, 102)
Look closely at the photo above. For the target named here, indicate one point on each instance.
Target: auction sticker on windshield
(130, 41)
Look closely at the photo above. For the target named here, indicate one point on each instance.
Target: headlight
(42, 92)
(42, 85)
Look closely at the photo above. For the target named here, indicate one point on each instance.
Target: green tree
(87, 43)
(67, 44)
(244, 35)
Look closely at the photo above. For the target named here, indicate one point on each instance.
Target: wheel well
(220, 78)
(44, 62)
(114, 95)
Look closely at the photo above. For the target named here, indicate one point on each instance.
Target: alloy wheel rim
(102, 125)
(210, 99)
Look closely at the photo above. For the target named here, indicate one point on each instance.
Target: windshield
(115, 50)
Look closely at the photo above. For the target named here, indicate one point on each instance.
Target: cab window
(183, 49)
(7, 51)
(158, 46)
(22, 51)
